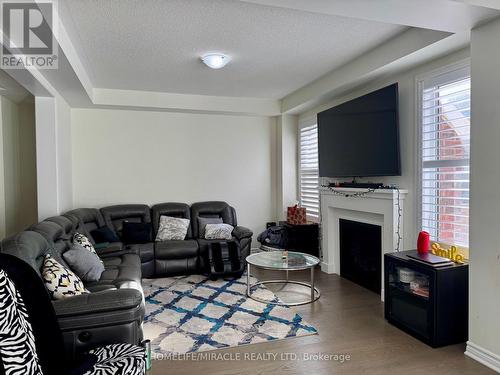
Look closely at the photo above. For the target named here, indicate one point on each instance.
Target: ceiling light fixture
(215, 60)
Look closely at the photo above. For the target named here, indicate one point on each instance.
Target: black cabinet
(303, 238)
(429, 303)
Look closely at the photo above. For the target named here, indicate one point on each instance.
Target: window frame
(304, 123)
(440, 75)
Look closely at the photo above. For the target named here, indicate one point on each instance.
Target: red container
(296, 215)
(423, 243)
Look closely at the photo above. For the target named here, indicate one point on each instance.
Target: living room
(220, 159)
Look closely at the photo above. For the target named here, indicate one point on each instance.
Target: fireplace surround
(379, 207)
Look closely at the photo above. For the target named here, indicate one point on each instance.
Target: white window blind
(445, 151)
(308, 171)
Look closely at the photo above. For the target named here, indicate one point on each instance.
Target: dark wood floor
(350, 321)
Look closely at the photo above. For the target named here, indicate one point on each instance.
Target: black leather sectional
(114, 310)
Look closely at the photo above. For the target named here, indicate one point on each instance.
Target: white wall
(18, 199)
(53, 145)
(122, 156)
(407, 117)
(64, 155)
(484, 284)
(286, 160)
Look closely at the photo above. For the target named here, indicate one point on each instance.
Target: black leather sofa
(166, 258)
(114, 310)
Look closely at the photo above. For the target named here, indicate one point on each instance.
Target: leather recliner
(217, 209)
(174, 257)
(114, 310)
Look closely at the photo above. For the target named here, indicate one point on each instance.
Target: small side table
(429, 303)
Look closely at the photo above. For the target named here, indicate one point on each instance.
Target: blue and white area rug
(194, 314)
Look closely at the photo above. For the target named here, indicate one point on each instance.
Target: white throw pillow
(218, 232)
(60, 281)
(172, 228)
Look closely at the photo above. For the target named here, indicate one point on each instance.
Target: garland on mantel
(368, 191)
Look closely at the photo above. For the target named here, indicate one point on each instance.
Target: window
(308, 171)
(445, 151)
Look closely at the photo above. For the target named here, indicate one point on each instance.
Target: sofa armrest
(100, 318)
(242, 232)
(98, 302)
(114, 249)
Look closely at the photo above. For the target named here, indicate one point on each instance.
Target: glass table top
(275, 260)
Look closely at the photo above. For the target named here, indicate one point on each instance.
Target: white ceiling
(154, 45)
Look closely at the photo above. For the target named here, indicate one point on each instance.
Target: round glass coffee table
(275, 261)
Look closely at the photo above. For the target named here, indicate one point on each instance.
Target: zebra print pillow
(218, 232)
(60, 281)
(117, 359)
(17, 343)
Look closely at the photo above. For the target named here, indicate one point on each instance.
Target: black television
(360, 138)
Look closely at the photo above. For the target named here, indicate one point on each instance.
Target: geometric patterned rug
(193, 314)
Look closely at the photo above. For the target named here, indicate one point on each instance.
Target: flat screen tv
(360, 138)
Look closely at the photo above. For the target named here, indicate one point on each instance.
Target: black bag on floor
(224, 259)
(275, 236)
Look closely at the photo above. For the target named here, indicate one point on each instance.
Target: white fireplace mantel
(379, 208)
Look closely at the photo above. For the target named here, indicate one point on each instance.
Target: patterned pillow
(17, 346)
(82, 240)
(218, 232)
(172, 228)
(60, 281)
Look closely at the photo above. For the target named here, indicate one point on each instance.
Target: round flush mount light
(215, 60)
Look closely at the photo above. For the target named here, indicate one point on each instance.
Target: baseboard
(483, 356)
(327, 268)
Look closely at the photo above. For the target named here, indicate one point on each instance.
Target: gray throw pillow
(172, 228)
(84, 263)
(218, 232)
(203, 221)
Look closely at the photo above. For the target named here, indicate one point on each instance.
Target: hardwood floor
(350, 321)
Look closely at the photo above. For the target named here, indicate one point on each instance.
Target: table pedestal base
(315, 293)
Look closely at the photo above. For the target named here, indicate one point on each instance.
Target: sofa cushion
(88, 219)
(115, 216)
(176, 249)
(104, 234)
(85, 264)
(55, 236)
(69, 225)
(60, 281)
(145, 250)
(135, 233)
(180, 210)
(129, 260)
(211, 209)
(30, 247)
(172, 228)
(120, 272)
(203, 221)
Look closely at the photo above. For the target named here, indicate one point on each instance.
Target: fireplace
(361, 253)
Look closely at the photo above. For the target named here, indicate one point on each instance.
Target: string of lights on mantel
(359, 194)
